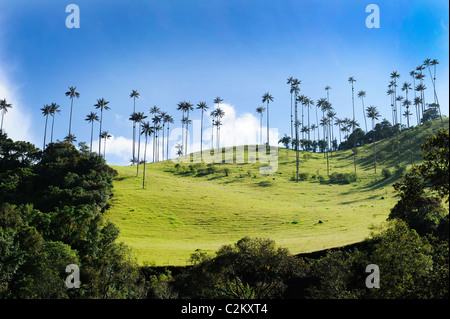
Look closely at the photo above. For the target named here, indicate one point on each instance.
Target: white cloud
(17, 121)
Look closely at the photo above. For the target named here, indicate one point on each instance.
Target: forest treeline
(52, 206)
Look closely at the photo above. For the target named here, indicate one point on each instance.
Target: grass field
(179, 212)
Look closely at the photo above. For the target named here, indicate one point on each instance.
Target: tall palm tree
(54, 108)
(351, 80)
(331, 115)
(156, 120)
(70, 138)
(417, 102)
(91, 118)
(106, 136)
(413, 75)
(219, 115)
(189, 107)
(324, 122)
(3, 109)
(46, 112)
(162, 115)
(266, 98)
(362, 95)
(327, 89)
(373, 114)
(133, 119)
(140, 116)
(260, 110)
(338, 122)
(294, 89)
(421, 87)
(217, 101)
(203, 107)
(71, 94)
(169, 120)
(433, 63)
(147, 130)
(308, 103)
(134, 95)
(394, 76)
(102, 104)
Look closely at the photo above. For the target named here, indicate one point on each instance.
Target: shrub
(386, 173)
(303, 176)
(343, 178)
(399, 170)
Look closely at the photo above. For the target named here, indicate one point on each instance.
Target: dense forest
(52, 206)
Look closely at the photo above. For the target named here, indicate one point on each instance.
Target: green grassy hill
(180, 211)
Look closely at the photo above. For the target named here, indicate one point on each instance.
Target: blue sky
(176, 50)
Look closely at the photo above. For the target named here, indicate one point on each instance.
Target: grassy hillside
(180, 212)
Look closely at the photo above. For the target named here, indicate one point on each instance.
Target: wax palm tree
(189, 107)
(54, 108)
(394, 76)
(71, 94)
(327, 89)
(91, 118)
(163, 116)
(46, 110)
(102, 104)
(203, 107)
(313, 128)
(260, 110)
(413, 75)
(351, 80)
(169, 120)
(373, 114)
(324, 122)
(338, 122)
(155, 121)
(140, 116)
(219, 115)
(421, 87)
(362, 95)
(217, 101)
(407, 113)
(70, 138)
(308, 103)
(105, 135)
(266, 98)
(147, 130)
(4, 106)
(134, 95)
(417, 102)
(331, 115)
(293, 90)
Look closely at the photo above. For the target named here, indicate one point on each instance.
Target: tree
(105, 135)
(54, 108)
(169, 120)
(147, 130)
(373, 114)
(46, 110)
(266, 98)
(134, 95)
(91, 118)
(70, 138)
(214, 115)
(428, 63)
(351, 80)
(102, 104)
(203, 107)
(260, 110)
(285, 140)
(362, 95)
(3, 109)
(71, 94)
(394, 76)
(140, 116)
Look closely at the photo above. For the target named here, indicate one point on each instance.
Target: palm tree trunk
(167, 146)
(100, 134)
(45, 131)
(296, 139)
(201, 137)
(92, 134)
(145, 158)
(365, 120)
(1, 127)
(292, 129)
(139, 149)
(374, 146)
(70, 121)
(53, 123)
(134, 130)
(268, 141)
(104, 149)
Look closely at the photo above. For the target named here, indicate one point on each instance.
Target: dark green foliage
(251, 268)
(386, 173)
(51, 215)
(342, 178)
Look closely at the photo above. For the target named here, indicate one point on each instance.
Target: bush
(342, 178)
(399, 170)
(303, 176)
(386, 173)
